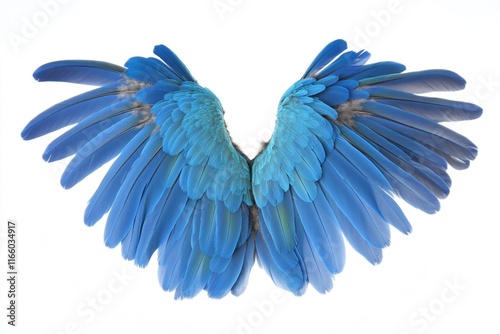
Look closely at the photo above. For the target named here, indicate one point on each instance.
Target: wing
(348, 138)
(177, 184)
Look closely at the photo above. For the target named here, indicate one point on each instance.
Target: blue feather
(402, 183)
(285, 269)
(345, 65)
(152, 193)
(197, 272)
(148, 70)
(173, 62)
(174, 209)
(360, 163)
(432, 108)
(71, 111)
(219, 264)
(418, 82)
(317, 273)
(173, 257)
(436, 181)
(88, 72)
(241, 283)
(356, 240)
(324, 109)
(155, 94)
(280, 222)
(334, 95)
(228, 229)
(377, 69)
(105, 195)
(208, 226)
(326, 55)
(436, 138)
(220, 283)
(100, 150)
(317, 220)
(365, 219)
(348, 137)
(418, 152)
(369, 183)
(129, 196)
(72, 140)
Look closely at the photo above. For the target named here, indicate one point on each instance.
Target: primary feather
(349, 137)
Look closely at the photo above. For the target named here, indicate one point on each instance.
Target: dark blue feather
(402, 183)
(88, 72)
(148, 70)
(326, 55)
(364, 217)
(100, 150)
(241, 283)
(317, 273)
(219, 284)
(345, 65)
(105, 195)
(173, 209)
(317, 220)
(433, 108)
(154, 94)
(173, 257)
(423, 130)
(71, 111)
(173, 62)
(72, 140)
(356, 240)
(129, 196)
(285, 269)
(197, 271)
(438, 183)
(334, 95)
(151, 195)
(418, 82)
(377, 69)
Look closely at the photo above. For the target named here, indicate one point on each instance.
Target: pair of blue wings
(349, 137)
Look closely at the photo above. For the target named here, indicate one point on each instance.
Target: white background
(248, 55)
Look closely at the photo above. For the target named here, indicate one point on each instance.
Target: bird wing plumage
(349, 138)
(177, 186)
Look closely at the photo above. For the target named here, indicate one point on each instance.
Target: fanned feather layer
(349, 138)
(174, 161)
